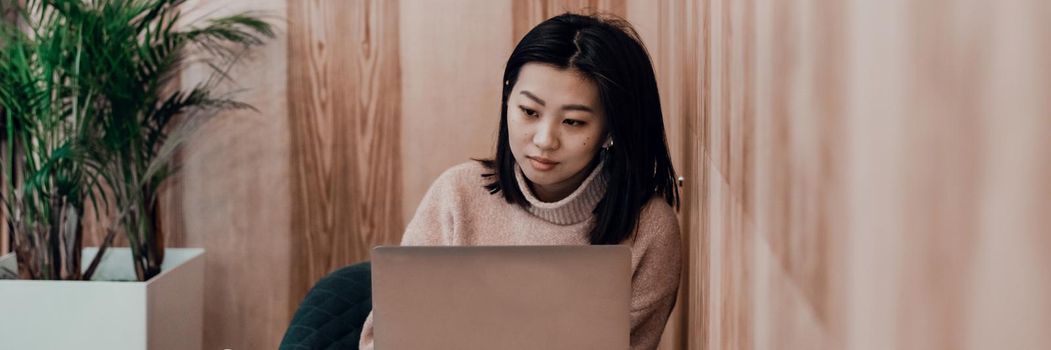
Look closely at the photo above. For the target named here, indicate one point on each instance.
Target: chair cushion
(333, 312)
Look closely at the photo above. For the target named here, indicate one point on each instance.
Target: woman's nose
(546, 137)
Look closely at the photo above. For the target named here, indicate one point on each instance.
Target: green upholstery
(331, 315)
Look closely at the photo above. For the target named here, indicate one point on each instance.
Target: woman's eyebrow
(571, 107)
(530, 95)
(577, 108)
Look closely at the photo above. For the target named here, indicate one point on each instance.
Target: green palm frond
(90, 115)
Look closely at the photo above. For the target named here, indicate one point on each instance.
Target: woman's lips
(542, 164)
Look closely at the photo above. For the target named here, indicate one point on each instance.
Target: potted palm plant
(90, 119)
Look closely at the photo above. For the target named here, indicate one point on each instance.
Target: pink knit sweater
(458, 210)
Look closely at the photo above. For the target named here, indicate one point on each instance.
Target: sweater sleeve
(366, 341)
(431, 225)
(655, 283)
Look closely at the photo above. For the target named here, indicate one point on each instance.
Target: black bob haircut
(608, 52)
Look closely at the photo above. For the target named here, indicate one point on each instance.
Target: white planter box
(165, 312)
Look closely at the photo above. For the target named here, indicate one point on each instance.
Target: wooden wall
(956, 186)
(857, 174)
(344, 96)
(874, 175)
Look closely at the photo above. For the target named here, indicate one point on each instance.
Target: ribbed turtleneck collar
(575, 208)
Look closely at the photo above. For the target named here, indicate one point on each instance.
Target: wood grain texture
(529, 13)
(948, 116)
(344, 120)
(451, 69)
(862, 175)
(801, 201)
(232, 196)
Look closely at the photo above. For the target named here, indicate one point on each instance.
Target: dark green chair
(332, 313)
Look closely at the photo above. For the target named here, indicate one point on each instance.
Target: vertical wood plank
(451, 74)
(344, 120)
(800, 204)
(1010, 284)
(701, 325)
(232, 195)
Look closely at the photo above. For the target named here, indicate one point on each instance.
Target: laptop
(501, 297)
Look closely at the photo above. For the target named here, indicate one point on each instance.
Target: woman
(581, 159)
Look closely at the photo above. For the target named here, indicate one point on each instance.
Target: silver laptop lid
(501, 297)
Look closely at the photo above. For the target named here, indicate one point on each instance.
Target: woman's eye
(528, 112)
(572, 122)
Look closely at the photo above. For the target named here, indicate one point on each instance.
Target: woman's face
(555, 127)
